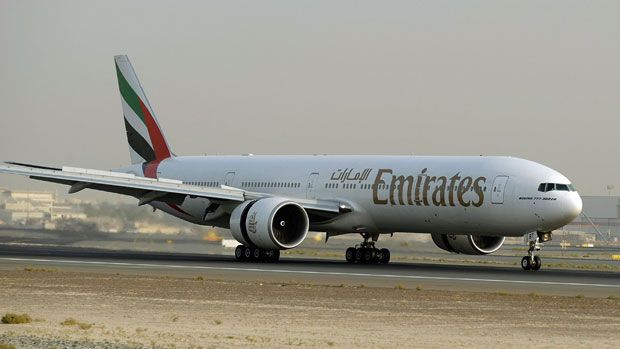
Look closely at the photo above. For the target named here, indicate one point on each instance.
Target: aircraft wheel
(349, 255)
(257, 254)
(359, 254)
(526, 263)
(247, 253)
(240, 253)
(385, 256)
(537, 263)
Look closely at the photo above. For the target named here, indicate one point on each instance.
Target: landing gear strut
(531, 261)
(255, 254)
(367, 253)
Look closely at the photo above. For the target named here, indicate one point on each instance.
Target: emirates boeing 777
(468, 204)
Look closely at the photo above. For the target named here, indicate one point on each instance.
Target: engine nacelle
(468, 244)
(272, 223)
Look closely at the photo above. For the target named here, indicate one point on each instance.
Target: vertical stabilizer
(146, 141)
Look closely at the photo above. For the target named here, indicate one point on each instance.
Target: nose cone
(573, 206)
(568, 207)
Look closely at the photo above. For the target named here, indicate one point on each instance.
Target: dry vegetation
(14, 319)
(39, 270)
(73, 322)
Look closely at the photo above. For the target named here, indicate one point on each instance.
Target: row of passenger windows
(552, 186)
(270, 184)
(545, 187)
(380, 186)
(346, 186)
(203, 184)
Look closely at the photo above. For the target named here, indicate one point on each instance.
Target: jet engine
(468, 244)
(269, 223)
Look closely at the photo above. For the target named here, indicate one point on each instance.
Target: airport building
(25, 207)
(35, 208)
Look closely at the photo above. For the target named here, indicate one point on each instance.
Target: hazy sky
(533, 79)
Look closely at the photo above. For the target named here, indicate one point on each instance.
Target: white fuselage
(419, 194)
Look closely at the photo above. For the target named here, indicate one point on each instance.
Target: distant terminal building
(600, 218)
(35, 208)
(26, 207)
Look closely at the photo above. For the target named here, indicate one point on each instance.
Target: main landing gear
(531, 261)
(255, 254)
(367, 253)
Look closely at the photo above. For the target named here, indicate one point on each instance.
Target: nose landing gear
(367, 253)
(531, 261)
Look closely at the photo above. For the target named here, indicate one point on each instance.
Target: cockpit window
(545, 187)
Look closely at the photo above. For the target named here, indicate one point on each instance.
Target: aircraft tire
(240, 253)
(385, 256)
(359, 254)
(537, 263)
(349, 255)
(526, 263)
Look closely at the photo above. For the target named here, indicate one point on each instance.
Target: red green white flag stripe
(146, 141)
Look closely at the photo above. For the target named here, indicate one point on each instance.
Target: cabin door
(230, 177)
(499, 187)
(311, 186)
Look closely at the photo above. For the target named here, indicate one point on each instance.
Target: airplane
(468, 204)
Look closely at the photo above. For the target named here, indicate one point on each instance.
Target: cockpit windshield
(545, 187)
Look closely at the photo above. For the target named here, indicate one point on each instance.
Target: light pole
(610, 187)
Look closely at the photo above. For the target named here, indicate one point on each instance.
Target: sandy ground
(161, 312)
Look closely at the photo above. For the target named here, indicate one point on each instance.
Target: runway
(315, 271)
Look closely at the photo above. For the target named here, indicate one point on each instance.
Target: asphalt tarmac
(474, 278)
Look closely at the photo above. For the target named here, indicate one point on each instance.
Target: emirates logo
(252, 223)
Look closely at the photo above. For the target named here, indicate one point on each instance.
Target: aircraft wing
(145, 189)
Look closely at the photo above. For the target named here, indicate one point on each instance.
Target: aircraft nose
(573, 206)
(568, 209)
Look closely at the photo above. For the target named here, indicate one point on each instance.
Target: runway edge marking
(307, 272)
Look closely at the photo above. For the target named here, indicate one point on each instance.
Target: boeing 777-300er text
(469, 204)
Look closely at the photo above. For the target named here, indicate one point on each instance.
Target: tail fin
(146, 141)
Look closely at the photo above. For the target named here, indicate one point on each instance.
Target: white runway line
(305, 272)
